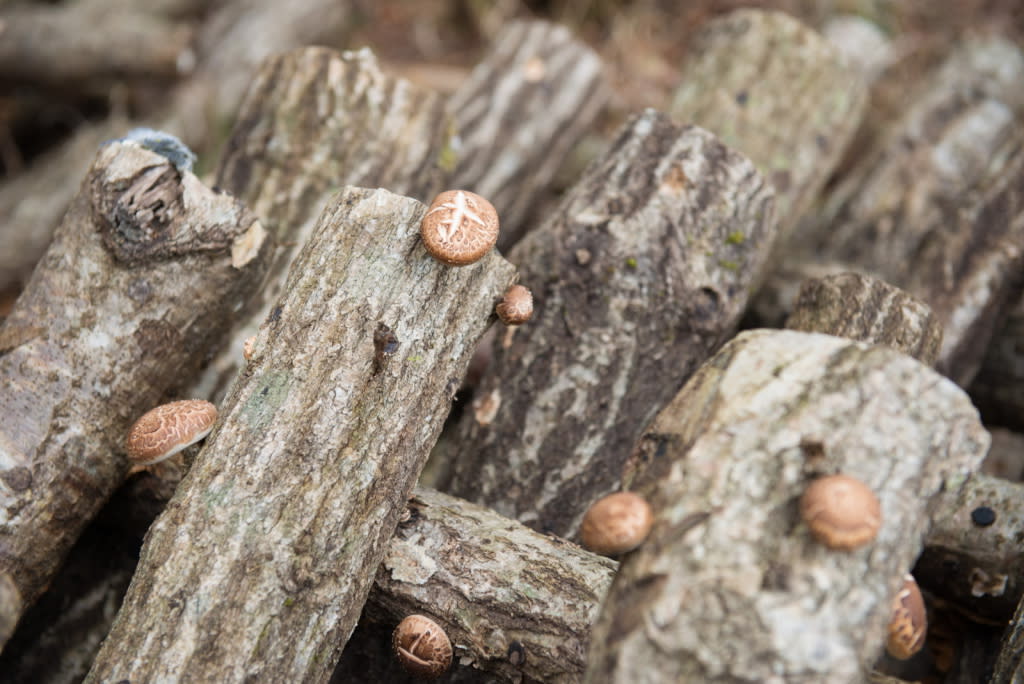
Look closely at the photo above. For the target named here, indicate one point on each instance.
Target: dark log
(143, 274)
(522, 110)
(286, 513)
(998, 388)
(867, 309)
(638, 277)
(776, 91)
(730, 586)
(1010, 665)
(315, 119)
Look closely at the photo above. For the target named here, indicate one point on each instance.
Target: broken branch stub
(543, 86)
(730, 586)
(640, 274)
(143, 274)
(290, 506)
(776, 91)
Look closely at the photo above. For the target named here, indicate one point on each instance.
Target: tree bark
(776, 91)
(522, 110)
(315, 119)
(1010, 665)
(158, 263)
(643, 271)
(867, 309)
(729, 586)
(288, 509)
(516, 603)
(979, 567)
(936, 208)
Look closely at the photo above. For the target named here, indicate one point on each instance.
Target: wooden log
(998, 388)
(1010, 665)
(1006, 457)
(315, 119)
(730, 586)
(776, 91)
(318, 448)
(867, 309)
(160, 263)
(974, 556)
(515, 603)
(641, 273)
(935, 208)
(89, 45)
(519, 114)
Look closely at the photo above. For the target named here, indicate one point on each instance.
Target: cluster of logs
(305, 513)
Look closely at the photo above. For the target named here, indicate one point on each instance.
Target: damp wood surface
(641, 272)
(102, 332)
(729, 562)
(290, 505)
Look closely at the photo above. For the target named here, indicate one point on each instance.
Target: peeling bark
(776, 91)
(112, 319)
(730, 586)
(312, 121)
(288, 509)
(520, 113)
(641, 273)
(869, 310)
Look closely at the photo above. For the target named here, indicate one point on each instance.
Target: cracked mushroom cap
(168, 429)
(516, 307)
(908, 623)
(422, 647)
(616, 523)
(460, 227)
(842, 512)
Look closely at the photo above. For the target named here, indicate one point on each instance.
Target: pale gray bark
(496, 587)
(314, 120)
(642, 272)
(144, 273)
(870, 310)
(730, 586)
(776, 91)
(288, 509)
(520, 113)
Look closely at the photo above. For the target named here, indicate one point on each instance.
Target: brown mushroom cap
(168, 429)
(842, 512)
(460, 227)
(908, 623)
(616, 523)
(516, 306)
(422, 647)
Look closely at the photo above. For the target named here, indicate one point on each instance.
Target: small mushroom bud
(460, 227)
(422, 647)
(168, 429)
(516, 306)
(908, 623)
(248, 347)
(841, 512)
(616, 523)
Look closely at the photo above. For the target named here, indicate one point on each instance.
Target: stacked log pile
(301, 532)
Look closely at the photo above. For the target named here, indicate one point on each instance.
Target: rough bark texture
(140, 279)
(498, 588)
(643, 271)
(63, 46)
(312, 121)
(866, 309)
(776, 91)
(730, 586)
(263, 559)
(1010, 666)
(980, 567)
(229, 47)
(518, 115)
(936, 207)
(998, 388)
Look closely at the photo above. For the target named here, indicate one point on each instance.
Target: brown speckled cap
(516, 306)
(616, 523)
(168, 429)
(422, 647)
(460, 227)
(909, 622)
(842, 512)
